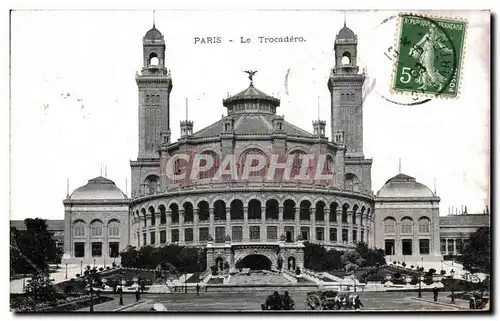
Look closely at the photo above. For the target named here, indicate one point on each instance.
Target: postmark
(429, 55)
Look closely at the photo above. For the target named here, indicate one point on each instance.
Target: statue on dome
(250, 73)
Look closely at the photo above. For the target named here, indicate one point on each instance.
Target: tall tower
(345, 85)
(155, 85)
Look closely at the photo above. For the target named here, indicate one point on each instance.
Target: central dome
(251, 100)
(403, 185)
(98, 188)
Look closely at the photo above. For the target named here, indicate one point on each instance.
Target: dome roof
(251, 93)
(98, 188)
(346, 33)
(403, 185)
(153, 34)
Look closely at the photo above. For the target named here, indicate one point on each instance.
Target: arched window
(220, 210)
(152, 184)
(236, 210)
(354, 212)
(96, 228)
(78, 228)
(329, 164)
(424, 225)
(203, 211)
(289, 210)
(305, 210)
(188, 212)
(346, 58)
(363, 218)
(389, 225)
(350, 181)
(272, 209)
(255, 163)
(153, 59)
(114, 227)
(333, 211)
(210, 173)
(406, 225)
(254, 209)
(174, 208)
(163, 214)
(143, 214)
(345, 207)
(151, 210)
(180, 167)
(320, 211)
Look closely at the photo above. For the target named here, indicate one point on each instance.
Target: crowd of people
(279, 302)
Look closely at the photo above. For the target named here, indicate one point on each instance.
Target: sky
(74, 97)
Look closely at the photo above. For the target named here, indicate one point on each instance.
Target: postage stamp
(430, 53)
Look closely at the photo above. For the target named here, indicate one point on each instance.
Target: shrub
(214, 269)
(432, 271)
(443, 272)
(412, 266)
(297, 271)
(78, 275)
(101, 269)
(404, 264)
(394, 262)
(396, 275)
(108, 268)
(114, 264)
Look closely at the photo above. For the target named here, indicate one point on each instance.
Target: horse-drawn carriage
(329, 300)
(278, 302)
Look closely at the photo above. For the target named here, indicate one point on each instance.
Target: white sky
(93, 56)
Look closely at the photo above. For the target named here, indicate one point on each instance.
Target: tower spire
(186, 108)
(67, 187)
(435, 186)
(345, 19)
(105, 170)
(154, 18)
(101, 170)
(318, 107)
(399, 165)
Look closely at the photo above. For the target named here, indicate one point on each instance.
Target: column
(263, 228)
(181, 227)
(297, 221)
(169, 224)
(313, 224)
(211, 229)
(157, 228)
(446, 242)
(327, 225)
(246, 233)
(281, 225)
(196, 219)
(105, 246)
(148, 233)
(228, 224)
(339, 228)
(454, 246)
(88, 246)
(349, 225)
(142, 221)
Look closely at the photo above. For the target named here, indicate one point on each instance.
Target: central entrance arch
(256, 262)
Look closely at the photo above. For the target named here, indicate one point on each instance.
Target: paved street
(249, 301)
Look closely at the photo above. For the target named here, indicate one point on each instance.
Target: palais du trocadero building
(256, 221)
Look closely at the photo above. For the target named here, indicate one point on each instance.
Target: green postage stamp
(429, 56)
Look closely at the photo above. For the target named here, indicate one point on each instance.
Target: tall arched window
(346, 58)
(289, 210)
(389, 225)
(174, 208)
(305, 210)
(272, 209)
(152, 184)
(255, 163)
(210, 173)
(114, 227)
(424, 225)
(354, 212)
(220, 210)
(406, 225)
(333, 211)
(78, 228)
(254, 209)
(188, 212)
(96, 228)
(203, 211)
(163, 214)
(320, 211)
(236, 210)
(345, 207)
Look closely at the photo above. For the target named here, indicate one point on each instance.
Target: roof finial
(105, 170)
(154, 18)
(250, 73)
(126, 186)
(67, 187)
(186, 108)
(101, 170)
(435, 186)
(399, 165)
(344, 18)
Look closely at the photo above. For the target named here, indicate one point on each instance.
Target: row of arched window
(406, 225)
(255, 211)
(96, 228)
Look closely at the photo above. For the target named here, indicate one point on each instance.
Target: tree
(40, 288)
(352, 257)
(34, 248)
(372, 257)
(477, 251)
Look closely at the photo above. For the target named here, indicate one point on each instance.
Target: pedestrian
(137, 294)
(175, 288)
(436, 291)
(197, 289)
(472, 304)
(357, 303)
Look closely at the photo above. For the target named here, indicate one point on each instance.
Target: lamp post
(66, 271)
(422, 261)
(354, 281)
(89, 276)
(452, 274)
(420, 279)
(81, 267)
(94, 262)
(104, 281)
(185, 284)
(121, 291)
